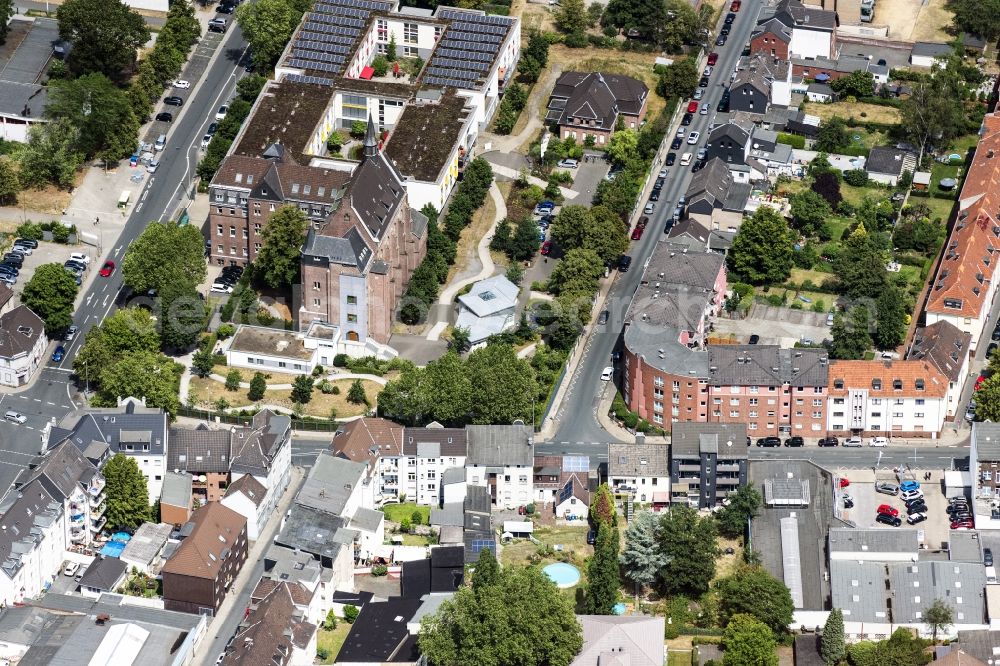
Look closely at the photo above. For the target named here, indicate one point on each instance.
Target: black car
(795, 441)
(660, 182)
(591, 537)
(754, 339)
(848, 503)
(730, 17)
(14, 259)
(9, 269)
(721, 40)
(769, 441)
(996, 334)
(919, 507)
(724, 31)
(212, 129)
(886, 519)
(723, 106)
(603, 318)
(829, 441)
(173, 100)
(216, 27)
(686, 119)
(703, 82)
(224, 9)
(697, 166)
(654, 195)
(165, 117)
(987, 557)
(671, 158)
(676, 143)
(624, 262)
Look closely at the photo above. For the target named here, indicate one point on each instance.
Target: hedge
(793, 140)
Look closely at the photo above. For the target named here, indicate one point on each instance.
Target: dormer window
(877, 384)
(919, 384)
(295, 188)
(897, 384)
(954, 303)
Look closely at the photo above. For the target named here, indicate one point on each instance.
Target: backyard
(396, 512)
(206, 392)
(329, 642)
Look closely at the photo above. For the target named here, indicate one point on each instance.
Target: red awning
(367, 72)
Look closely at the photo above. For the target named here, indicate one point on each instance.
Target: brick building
(591, 104)
(792, 28)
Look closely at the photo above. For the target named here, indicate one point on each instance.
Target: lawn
(414, 539)
(679, 657)
(572, 539)
(205, 391)
(396, 512)
(875, 113)
(247, 374)
(941, 208)
(332, 641)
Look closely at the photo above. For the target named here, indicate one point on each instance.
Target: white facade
(572, 508)
(513, 484)
(904, 413)
(275, 481)
(243, 505)
(17, 370)
(85, 512)
(811, 43)
(641, 487)
(35, 557)
(420, 193)
(420, 476)
(971, 325)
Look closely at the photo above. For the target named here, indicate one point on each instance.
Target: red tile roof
(916, 379)
(963, 277)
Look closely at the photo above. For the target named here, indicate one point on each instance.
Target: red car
(844, 482)
(108, 268)
(735, 7)
(546, 248)
(888, 510)
(963, 525)
(692, 107)
(979, 382)
(637, 232)
(713, 58)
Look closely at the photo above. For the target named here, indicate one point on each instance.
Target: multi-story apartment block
(791, 28)
(964, 288)
(501, 458)
(769, 389)
(984, 464)
(707, 462)
(886, 398)
(70, 478)
(376, 442)
(427, 454)
(33, 544)
(263, 450)
(641, 471)
(946, 348)
(22, 345)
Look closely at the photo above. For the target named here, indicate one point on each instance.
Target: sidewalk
(224, 623)
(511, 143)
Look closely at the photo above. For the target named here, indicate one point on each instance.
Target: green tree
(182, 315)
(977, 17)
(602, 573)
(851, 334)
(901, 649)
(459, 340)
(487, 571)
(602, 508)
(7, 10)
(618, 194)
(503, 385)
(100, 110)
(50, 294)
(106, 35)
(743, 505)
(302, 388)
(141, 374)
(202, 362)
(233, 379)
(51, 156)
(688, 544)
(578, 271)
(357, 394)
(569, 226)
(524, 243)
(682, 27)
(931, 111)
(519, 619)
(753, 591)
(938, 617)
(988, 399)
(445, 391)
(858, 84)
(282, 238)
(890, 319)
(832, 646)
(165, 254)
(390, 51)
(594, 13)
(258, 385)
(267, 25)
(748, 641)
(860, 265)
(678, 79)
(809, 211)
(832, 136)
(127, 494)
(642, 559)
(762, 250)
(623, 145)
(126, 330)
(9, 183)
(571, 17)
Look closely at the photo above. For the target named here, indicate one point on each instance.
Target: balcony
(76, 536)
(98, 524)
(77, 518)
(96, 513)
(96, 486)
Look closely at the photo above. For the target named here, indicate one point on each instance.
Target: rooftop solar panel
(317, 80)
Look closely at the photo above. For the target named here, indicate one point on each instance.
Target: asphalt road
(54, 393)
(578, 429)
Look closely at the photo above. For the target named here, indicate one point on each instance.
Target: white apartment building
(501, 458)
(32, 542)
(263, 451)
(640, 470)
(22, 346)
(427, 453)
(886, 398)
(72, 479)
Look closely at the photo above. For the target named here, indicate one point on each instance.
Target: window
(752, 401)
(752, 414)
(657, 406)
(754, 389)
(352, 300)
(352, 319)
(316, 286)
(218, 229)
(246, 234)
(817, 415)
(221, 251)
(410, 33)
(818, 402)
(232, 231)
(734, 413)
(897, 415)
(918, 415)
(919, 401)
(410, 51)
(658, 381)
(316, 302)
(752, 425)
(256, 227)
(876, 415)
(734, 402)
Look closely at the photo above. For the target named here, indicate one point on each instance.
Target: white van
(161, 142)
(685, 159)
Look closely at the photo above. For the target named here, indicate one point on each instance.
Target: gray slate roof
(620, 640)
(944, 346)
(986, 437)
(688, 439)
(311, 531)
(200, 450)
(131, 422)
(445, 441)
(767, 365)
(176, 489)
(853, 540)
(104, 573)
(19, 329)
(885, 160)
(931, 49)
(501, 445)
(63, 470)
(330, 483)
(638, 460)
(915, 585)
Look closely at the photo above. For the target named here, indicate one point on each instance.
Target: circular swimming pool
(562, 574)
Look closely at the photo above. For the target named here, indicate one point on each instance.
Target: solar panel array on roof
(467, 49)
(317, 80)
(576, 464)
(565, 493)
(330, 30)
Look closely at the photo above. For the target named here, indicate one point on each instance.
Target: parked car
(907, 495)
(704, 109)
(720, 40)
(795, 441)
(713, 58)
(182, 84)
(637, 233)
(217, 25)
(607, 374)
(698, 93)
(58, 354)
(649, 208)
(888, 520)
(754, 339)
(676, 143)
(909, 484)
(221, 113)
(829, 441)
(887, 509)
(165, 117)
(730, 17)
(70, 333)
(735, 6)
(205, 140)
(987, 557)
(670, 159)
(569, 164)
(848, 502)
(686, 119)
(693, 106)
(624, 262)
(886, 488)
(591, 537)
(917, 507)
(853, 441)
(71, 569)
(703, 82)
(915, 518)
(603, 317)
(546, 248)
(173, 100)
(769, 441)
(878, 441)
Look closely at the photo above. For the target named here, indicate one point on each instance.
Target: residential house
(641, 471)
(886, 398)
(821, 92)
(751, 154)
(145, 549)
(212, 551)
(23, 344)
(69, 478)
(275, 630)
(246, 497)
(573, 501)
(628, 640)
(131, 429)
(7, 300)
(428, 453)
(984, 465)
(947, 349)
(824, 70)
(376, 442)
(204, 455)
(590, 104)
(930, 54)
(707, 462)
(283, 564)
(487, 309)
(792, 28)
(33, 545)
(886, 164)
(760, 81)
(442, 572)
(262, 450)
(501, 458)
(176, 498)
(551, 473)
(963, 289)
(380, 634)
(263, 349)
(105, 574)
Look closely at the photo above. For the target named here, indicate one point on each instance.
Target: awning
(661, 497)
(819, 77)
(367, 72)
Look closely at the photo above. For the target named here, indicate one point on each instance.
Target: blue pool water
(562, 574)
(123, 537)
(619, 608)
(113, 549)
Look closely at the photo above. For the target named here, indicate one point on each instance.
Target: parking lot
(588, 176)
(776, 326)
(933, 532)
(50, 253)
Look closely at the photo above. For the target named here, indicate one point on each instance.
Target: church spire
(371, 139)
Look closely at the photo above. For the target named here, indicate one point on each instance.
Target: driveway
(588, 176)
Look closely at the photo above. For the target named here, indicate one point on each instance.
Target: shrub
(233, 380)
(416, 518)
(336, 390)
(326, 387)
(226, 331)
(340, 360)
(793, 140)
(351, 613)
(856, 177)
(30, 230)
(380, 65)
(317, 371)
(405, 525)
(577, 40)
(323, 653)
(380, 570)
